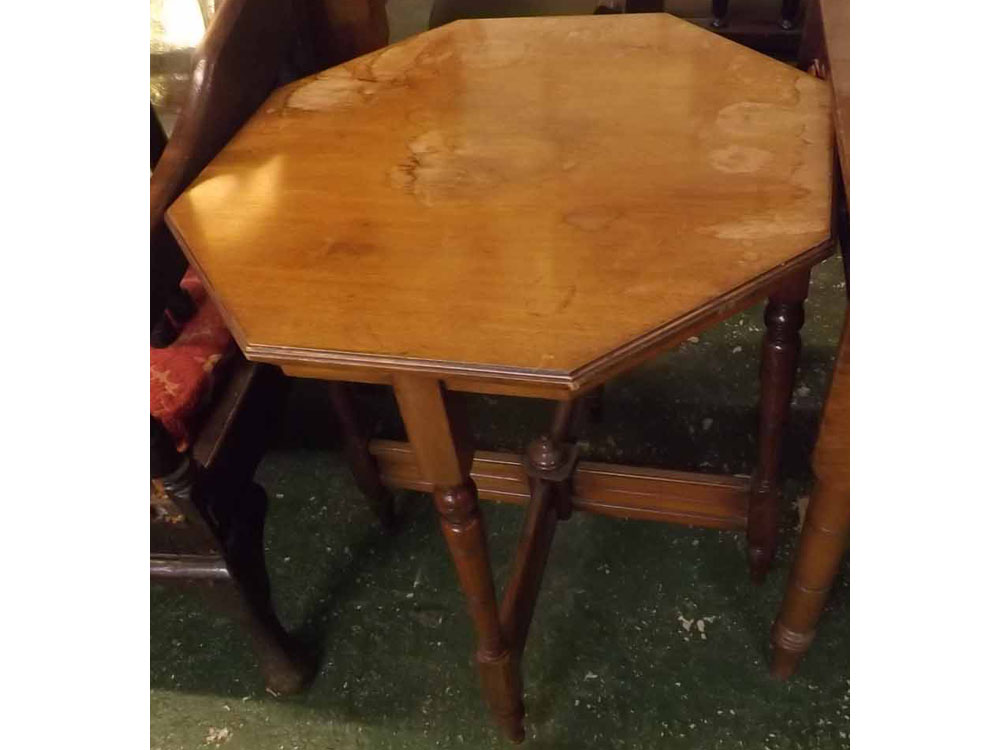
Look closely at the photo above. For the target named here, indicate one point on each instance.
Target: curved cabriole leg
(439, 439)
(825, 530)
(286, 666)
(359, 459)
(783, 317)
(222, 553)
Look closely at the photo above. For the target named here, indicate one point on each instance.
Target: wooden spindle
(439, 440)
(783, 317)
(826, 526)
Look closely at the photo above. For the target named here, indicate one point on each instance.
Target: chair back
(249, 47)
(235, 67)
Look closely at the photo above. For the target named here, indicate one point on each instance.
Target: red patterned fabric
(181, 376)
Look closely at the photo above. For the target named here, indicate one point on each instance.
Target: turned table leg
(437, 433)
(783, 317)
(825, 530)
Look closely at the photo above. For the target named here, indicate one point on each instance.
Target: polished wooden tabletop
(527, 198)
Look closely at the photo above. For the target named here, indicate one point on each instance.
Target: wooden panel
(347, 374)
(513, 199)
(626, 492)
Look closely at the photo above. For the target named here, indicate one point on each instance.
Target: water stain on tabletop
(360, 81)
(735, 159)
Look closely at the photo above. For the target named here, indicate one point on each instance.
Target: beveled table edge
(589, 375)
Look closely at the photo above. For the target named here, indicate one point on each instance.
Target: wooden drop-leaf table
(524, 207)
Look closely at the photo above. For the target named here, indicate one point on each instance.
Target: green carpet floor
(645, 636)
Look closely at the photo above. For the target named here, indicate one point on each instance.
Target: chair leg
(362, 464)
(783, 317)
(286, 666)
(826, 527)
(222, 550)
(821, 548)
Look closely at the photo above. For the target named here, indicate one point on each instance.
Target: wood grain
(692, 499)
(549, 191)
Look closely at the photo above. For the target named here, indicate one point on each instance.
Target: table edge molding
(590, 374)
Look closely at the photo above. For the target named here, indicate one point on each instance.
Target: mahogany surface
(500, 173)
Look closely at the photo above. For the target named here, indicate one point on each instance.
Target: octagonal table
(524, 207)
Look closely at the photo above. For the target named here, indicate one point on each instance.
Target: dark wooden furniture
(769, 26)
(825, 530)
(206, 512)
(485, 208)
(332, 31)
